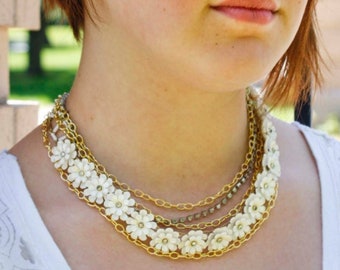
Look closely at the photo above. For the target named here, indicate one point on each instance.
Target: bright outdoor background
(59, 59)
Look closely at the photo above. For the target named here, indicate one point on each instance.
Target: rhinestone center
(219, 240)
(165, 241)
(119, 204)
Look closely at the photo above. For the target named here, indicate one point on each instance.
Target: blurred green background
(59, 61)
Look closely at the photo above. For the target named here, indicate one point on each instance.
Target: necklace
(114, 201)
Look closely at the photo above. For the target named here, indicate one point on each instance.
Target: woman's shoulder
(326, 152)
(306, 153)
(309, 155)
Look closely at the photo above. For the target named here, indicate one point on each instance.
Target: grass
(42, 88)
(59, 62)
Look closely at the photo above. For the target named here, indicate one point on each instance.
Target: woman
(162, 101)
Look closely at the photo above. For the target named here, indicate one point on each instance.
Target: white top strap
(25, 242)
(326, 152)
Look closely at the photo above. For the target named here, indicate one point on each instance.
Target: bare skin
(162, 106)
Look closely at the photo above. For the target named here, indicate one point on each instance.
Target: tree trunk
(37, 40)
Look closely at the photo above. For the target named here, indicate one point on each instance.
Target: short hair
(298, 70)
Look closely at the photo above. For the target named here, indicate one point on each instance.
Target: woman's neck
(157, 134)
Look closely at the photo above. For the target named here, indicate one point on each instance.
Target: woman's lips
(252, 11)
(251, 15)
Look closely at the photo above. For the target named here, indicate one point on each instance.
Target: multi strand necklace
(172, 237)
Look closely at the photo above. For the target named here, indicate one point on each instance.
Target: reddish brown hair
(299, 69)
(296, 72)
(74, 10)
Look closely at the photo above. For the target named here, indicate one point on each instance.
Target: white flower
(141, 225)
(271, 146)
(63, 154)
(271, 162)
(239, 225)
(265, 184)
(165, 240)
(97, 188)
(255, 206)
(193, 242)
(219, 238)
(80, 172)
(268, 129)
(119, 204)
